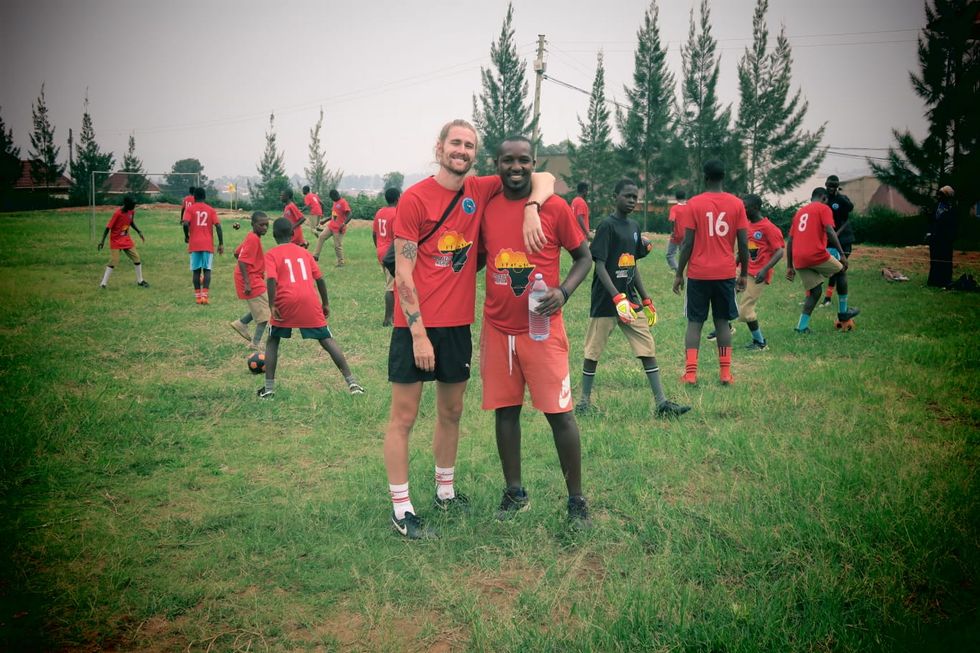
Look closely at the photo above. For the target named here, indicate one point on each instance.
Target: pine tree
(319, 177)
(45, 170)
(593, 160)
(647, 128)
(948, 82)
(88, 159)
(393, 179)
(135, 183)
(776, 154)
(502, 110)
(272, 171)
(10, 166)
(704, 125)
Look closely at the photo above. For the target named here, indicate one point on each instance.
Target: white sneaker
(240, 329)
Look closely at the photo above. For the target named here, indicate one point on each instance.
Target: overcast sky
(199, 79)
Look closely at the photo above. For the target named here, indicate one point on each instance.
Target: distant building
(118, 184)
(867, 192)
(58, 188)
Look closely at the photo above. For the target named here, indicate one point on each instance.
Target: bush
(883, 226)
(363, 207)
(27, 200)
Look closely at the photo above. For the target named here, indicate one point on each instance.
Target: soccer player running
(435, 295)
(616, 287)
(120, 241)
(298, 297)
(340, 215)
(766, 248)
(250, 282)
(384, 222)
(713, 225)
(676, 228)
(292, 213)
(580, 208)
(314, 205)
(806, 252)
(200, 224)
(841, 206)
(509, 359)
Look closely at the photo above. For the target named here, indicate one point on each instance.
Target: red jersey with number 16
(200, 219)
(809, 234)
(384, 222)
(297, 299)
(715, 219)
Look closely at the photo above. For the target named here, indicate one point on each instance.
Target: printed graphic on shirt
(453, 250)
(513, 269)
(626, 266)
(753, 245)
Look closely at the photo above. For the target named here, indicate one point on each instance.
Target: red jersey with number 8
(809, 234)
(297, 299)
(715, 219)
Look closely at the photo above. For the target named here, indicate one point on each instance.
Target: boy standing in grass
(806, 252)
(765, 250)
(510, 360)
(200, 223)
(381, 234)
(340, 215)
(120, 241)
(616, 284)
(714, 223)
(292, 213)
(185, 203)
(314, 205)
(250, 282)
(298, 297)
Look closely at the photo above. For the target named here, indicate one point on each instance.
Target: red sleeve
(569, 233)
(742, 218)
(409, 216)
(270, 266)
(315, 270)
(247, 251)
(345, 207)
(214, 217)
(485, 187)
(826, 216)
(112, 221)
(775, 236)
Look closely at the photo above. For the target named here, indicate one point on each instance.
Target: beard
(452, 165)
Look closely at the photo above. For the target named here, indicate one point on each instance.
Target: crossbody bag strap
(449, 209)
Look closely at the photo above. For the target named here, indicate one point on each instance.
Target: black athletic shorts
(719, 294)
(453, 347)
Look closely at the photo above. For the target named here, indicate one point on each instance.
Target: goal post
(116, 183)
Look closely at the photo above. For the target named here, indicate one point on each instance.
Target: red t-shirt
(445, 269)
(809, 234)
(677, 225)
(294, 215)
(338, 215)
(312, 201)
(186, 203)
(764, 239)
(250, 253)
(118, 227)
(295, 273)
(715, 219)
(580, 208)
(383, 224)
(511, 270)
(200, 219)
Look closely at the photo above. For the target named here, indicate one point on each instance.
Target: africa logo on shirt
(627, 260)
(514, 268)
(453, 249)
(753, 246)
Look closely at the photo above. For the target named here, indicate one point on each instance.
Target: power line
(789, 36)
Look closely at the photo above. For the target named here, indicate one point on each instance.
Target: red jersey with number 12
(384, 222)
(297, 299)
(200, 219)
(715, 219)
(809, 234)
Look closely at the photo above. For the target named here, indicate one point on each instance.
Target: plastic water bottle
(539, 326)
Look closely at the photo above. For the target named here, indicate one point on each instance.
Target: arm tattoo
(405, 294)
(412, 318)
(410, 251)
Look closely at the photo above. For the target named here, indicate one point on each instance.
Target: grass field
(829, 501)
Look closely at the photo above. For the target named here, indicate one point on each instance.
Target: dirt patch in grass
(393, 630)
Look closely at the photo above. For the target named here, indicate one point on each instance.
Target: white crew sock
(399, 500)
(139, 272)
(105, 277)
(444, 482)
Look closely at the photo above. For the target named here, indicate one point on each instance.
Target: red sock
(197, 294)
(830, 292)
(204, 293)
(725, 362)
(691, 366)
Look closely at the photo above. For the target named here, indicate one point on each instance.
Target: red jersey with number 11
(295, 273)
(715, 219)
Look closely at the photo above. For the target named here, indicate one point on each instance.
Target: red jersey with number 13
(384, 222)
(809, 234)
(715, 219)
(200, 219)
(295, 273)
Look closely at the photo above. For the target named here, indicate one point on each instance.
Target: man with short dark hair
(200, 224)
(120, 241)
(292, 213)
(580, 208)
(381, 234)
(715, 223)
(340, 215)
(841, 206)
(313, 204)
(942, 231)
(766, 248)
(676, 228)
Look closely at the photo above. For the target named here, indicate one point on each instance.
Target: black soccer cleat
(460, 503)
(578, 513)
(670, 409)
(143, 284)
(515, 500)
(411, 527)
(755, 345)
(849, 314)
(714, 336)
(265, 394)
(825, 302)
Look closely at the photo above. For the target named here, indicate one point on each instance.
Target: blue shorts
(201, 260)
(308, 333)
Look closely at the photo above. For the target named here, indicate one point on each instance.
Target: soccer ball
(235, 225)
(256, 363)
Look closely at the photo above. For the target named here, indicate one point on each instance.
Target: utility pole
(539, 68)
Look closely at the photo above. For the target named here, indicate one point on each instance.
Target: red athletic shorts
(509, 363)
